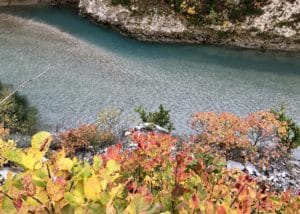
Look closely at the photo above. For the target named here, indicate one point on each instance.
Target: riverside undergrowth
(156, 177)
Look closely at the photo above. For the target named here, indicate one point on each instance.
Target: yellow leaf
(110, 209)
(65, 164)
(112, 166)
(97, 162)
(80, 210)
(55, 190)
(75, 198)
(191, 11)
(131, 209)
(31, 160)
(115, 191)
(92, 188)
(41, 141)
(103, 184)
(252, 193)
(210, 207)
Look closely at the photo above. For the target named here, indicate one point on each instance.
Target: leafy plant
(214, 12)
(4, 132)
(5, 147)
(245, 8)
(160, 117)
(151, 179)
(241, 139)
(109, 121)
(15, 113)
(122, 2)
(83, 138)
(292, 136)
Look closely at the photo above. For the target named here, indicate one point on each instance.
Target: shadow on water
(68, 21)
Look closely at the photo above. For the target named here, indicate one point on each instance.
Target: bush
(216, 11)
(15, 113)
(160, 117)
(109, 120)
(122, 2)
(241, 139)
(85, 137)
(245, 8)
(151, 179)
(292, 138)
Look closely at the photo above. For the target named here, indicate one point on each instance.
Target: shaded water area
(93, 67)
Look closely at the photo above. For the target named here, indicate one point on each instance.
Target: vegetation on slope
(15, 112)
(161, 174)
(203, 11)
(154, 178)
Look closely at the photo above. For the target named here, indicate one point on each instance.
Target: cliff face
(279, 17)
(277, 28)
(18, 2)
(123, 17)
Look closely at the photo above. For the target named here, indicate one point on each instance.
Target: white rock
(4, 172)
(296, 153)
(251, 169)
(127, 133)
(295, 163)
(150, 126)
(235, 165)
(278, 11)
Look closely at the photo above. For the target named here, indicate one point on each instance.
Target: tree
(160, 117)
(15, 112)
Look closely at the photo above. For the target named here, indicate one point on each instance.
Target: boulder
(251, 169)
(296, 153)
(235, 165)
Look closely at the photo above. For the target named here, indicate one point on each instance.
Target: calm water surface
(92, 67)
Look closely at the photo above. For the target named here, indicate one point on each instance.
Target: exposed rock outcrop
(276, 29)
(19, 2)
(281, 175)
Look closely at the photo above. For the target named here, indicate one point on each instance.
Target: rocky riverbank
(18, 2)
(278, 28)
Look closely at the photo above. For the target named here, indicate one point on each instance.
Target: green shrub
(292, 139)
(122, 2)
(160, 117)
(245, 8)
(15, 113)
(216, 11)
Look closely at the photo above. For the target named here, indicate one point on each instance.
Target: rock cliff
(277, 28)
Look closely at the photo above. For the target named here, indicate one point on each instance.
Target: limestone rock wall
(103, 11)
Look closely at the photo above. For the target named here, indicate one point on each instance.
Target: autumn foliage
(84, 138)
(256, 137)
(156, 177)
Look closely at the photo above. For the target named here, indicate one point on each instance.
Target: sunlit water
(91, 67)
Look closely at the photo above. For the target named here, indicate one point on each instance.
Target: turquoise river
(90, 67)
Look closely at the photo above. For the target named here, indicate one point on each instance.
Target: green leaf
(17, 181)
(65, 164)
(14, 156)
(97, 162)
(75, 198)
(96, 208)
(8, 206)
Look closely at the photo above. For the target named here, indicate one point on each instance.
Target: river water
(93, 67)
